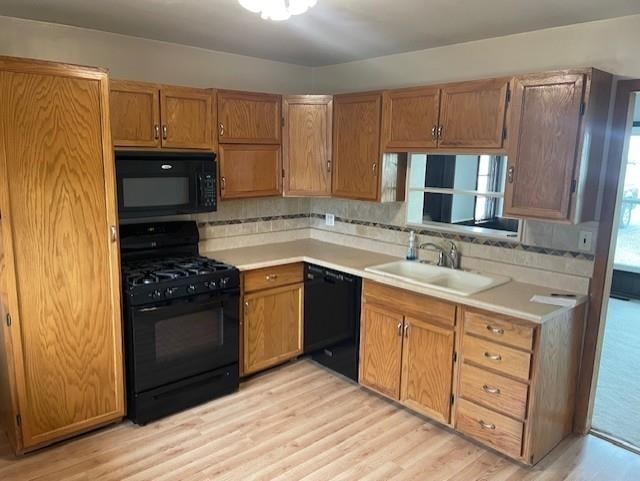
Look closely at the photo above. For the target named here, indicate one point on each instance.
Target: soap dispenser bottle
(412, 249)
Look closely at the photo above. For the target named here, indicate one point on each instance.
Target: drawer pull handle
(399, 327)
(484, 425)
(498, 331)
(493, 357)
(490, 390)
(271, 277)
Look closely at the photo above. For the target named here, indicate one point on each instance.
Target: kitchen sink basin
(462, 283)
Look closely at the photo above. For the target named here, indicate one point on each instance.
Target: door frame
(601, 281)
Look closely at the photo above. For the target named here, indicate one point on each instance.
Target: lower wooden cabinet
(272, 319)
(407, 359)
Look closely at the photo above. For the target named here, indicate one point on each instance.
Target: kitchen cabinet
(517, 381)
(558, 123)
(307, 139)
(61, 342)
(249, 171)
(451, 117)
(249, 118)
(272, 317)
(356, 146)
(160, 116)
(407, 349)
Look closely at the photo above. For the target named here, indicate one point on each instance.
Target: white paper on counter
(555, 300)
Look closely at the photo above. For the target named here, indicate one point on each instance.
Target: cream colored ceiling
(334, 31)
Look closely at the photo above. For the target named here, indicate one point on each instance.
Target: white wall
(134, 58)
(611, 45)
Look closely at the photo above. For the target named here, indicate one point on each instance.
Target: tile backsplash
(544, 248)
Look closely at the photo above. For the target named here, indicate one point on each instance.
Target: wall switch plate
(329, 219)
(584, 241)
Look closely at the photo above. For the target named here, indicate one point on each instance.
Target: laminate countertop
(510, 299)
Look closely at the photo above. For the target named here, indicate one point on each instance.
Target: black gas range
(181, 313)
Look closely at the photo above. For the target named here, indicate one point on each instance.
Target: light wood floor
(301, 422)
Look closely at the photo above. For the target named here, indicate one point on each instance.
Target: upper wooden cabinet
(461, 116)
(356, 146)
(150, 115)
(249, 118)
(135, 114)
(307, 136)
(472, 115)
(62, 352)
(186, 118)
(558, 123)
(410, 118)
(249, 171)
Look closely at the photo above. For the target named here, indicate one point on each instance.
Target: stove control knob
(210, 284)
(169, 291)
(156, 294)
(224, 281)
(191, 288)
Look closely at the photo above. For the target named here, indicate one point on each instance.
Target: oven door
(183, 339)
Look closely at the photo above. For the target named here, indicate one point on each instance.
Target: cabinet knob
(246, 303)
(271, 277)
(223, 183)
(510, 172)
(165, 132)
(156, 131)
(221, 125)
(498, 331)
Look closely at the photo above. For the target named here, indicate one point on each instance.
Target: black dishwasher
(332, 319)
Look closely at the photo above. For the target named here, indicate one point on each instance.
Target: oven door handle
(205, 304)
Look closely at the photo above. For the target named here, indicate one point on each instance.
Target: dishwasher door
(332, 318)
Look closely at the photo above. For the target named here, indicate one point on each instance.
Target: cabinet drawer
(272, 277)
(496, 356)
(500, 330)
(498, 431)
(502, 394)
(410, 303)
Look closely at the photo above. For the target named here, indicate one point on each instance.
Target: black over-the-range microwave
(165, 183)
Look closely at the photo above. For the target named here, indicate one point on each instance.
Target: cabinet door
(249, 171)
(186, 118)
(427, 368)
(410, 119)
(472, 115)
(356, 146)
(546, 120)
(381, 350)
(249, 118)
(307, 145)
(272, 327)
(135, 114)
(58, 208)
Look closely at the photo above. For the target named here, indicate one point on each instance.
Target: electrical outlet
(584, 241)
(329, 219)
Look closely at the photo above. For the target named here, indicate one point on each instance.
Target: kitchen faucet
(450, 258)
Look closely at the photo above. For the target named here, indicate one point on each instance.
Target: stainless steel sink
(462, 283)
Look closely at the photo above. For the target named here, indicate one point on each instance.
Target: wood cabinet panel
(249, 118)
(135, 114)
(498, 329)
(500, 432)
(492, 390)
(186, 118)
(410, 118)
(269, 277)
(504, 359)
(307, 140)
(249, 171)
(272, 327)
(472, 114)
(545, 119)
(381, 350)
(427, 368)
(356, 146)
(57, 165)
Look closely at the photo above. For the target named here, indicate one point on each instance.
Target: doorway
(616, 409)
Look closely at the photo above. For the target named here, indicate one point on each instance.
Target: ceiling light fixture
(277, 9)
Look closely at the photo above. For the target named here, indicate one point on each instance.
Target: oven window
(187, 335)
(155, 191)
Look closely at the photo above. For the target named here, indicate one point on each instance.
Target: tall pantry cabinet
(60, 337)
